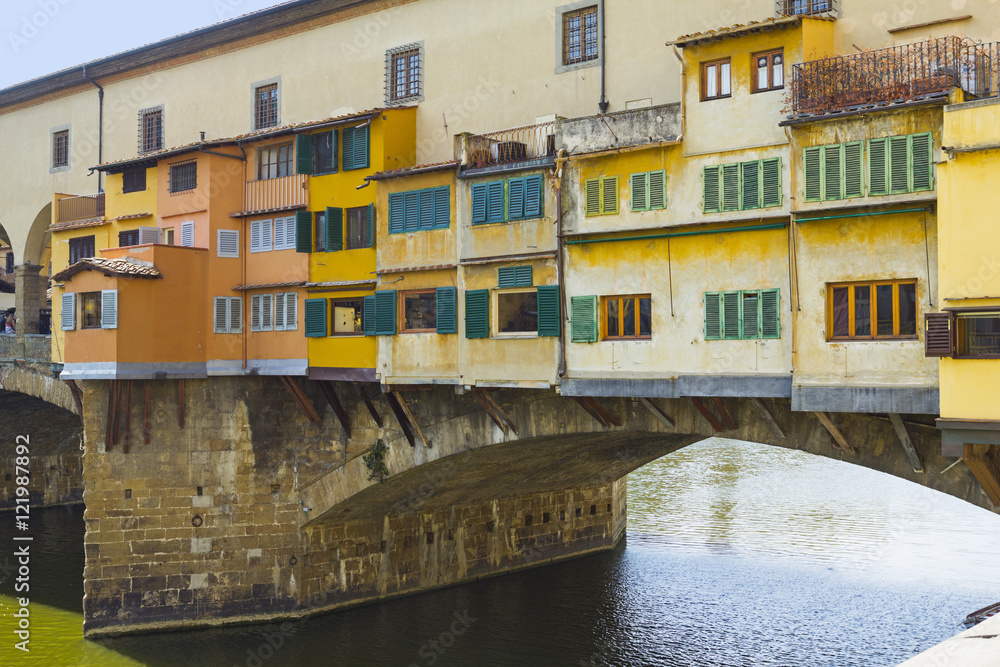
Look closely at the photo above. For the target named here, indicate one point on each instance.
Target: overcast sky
(44, 36)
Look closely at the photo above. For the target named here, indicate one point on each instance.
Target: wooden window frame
(289, 160)
(83, 297)
(150, 130)
(88, 243)
(322, 170)
(401, 303)
(404, 74)
(605, 335)
(755, 71)
(495, 308)
(266, 104)
(873, 310)
(959, 336)
(584, 42)
(718, 79)
(332, 305)
(60, 149)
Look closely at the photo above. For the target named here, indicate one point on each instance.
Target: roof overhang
(752, 27)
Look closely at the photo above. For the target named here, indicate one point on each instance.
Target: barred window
(60, 149)
(151, 130)
(266, 106)
(183, 176)
(404, 74)
(580, 36)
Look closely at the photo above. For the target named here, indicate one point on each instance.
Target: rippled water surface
(737, 555)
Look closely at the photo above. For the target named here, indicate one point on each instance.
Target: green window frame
(649, 190)
(508, 200)
(743, 315)
(742, 186)
(601, 196)
(420, 210)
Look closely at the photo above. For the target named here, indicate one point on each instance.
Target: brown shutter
(939, 334)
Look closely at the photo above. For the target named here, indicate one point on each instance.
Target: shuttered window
(649, 190)
(356, 148)
(833, 172)
(227, 315)
(109, 309)
(549, 311)
(477, 313)
(583, 319)
(286, 311)
(601, 195)
(901, 164)
(334, 240)
(447, 310)
(315, 318)
(939, 334)
(228, 243)
(385, 313)
(261, 312)
(187, 234)
(302, 230)
(285, 233)
(68, 317)
(504, 201)
(742, 186)
(419, 210)
(304, 154)
(261, 235)
(743, 315)
(514, 276)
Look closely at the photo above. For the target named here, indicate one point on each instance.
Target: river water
(737, 555)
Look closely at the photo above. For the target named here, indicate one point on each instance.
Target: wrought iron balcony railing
(83, 207)
(518, 144)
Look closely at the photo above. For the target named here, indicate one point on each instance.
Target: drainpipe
(560, 244)
(100, 128)
(603, 104)
(680, 59)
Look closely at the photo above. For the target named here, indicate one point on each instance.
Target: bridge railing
(32, 348)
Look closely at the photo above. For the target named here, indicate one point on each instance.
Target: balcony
(84, 207)
(895, 75)
(277, 194)
(807, 7)
(519, 144)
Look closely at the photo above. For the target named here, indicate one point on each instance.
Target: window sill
(767, 90)
(477, 225)
(720, 97)
(418, 331)
(878, 339)
(626, 339)
(346, 335)
(514, 336)
(325, 173)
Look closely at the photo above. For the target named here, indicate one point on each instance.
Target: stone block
(201, 545)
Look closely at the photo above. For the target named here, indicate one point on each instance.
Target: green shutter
(731, 187)
(534, 197)
(750, 323)
(479, 197)
(833, 172)
(356, 153)
(334, 229)
(315, 318)
(348, 148)
(477, 313)
(878, 183)
(609, 195)
(494, 201)
(593, 195)
(922, 168)
(447, 321)
(303, 231)
(899, 164)
(657, 190)
(304, 154)
(548, 310)
(385, 313)
(442, 208)
(854, 176)
(514, 276)
(583, 319)
(515, 198)
(712, 189)
(770, 313)
(396, 210)
(713, 316)
(812, 168)
(368, 315)
(770, 179)
(639, 183)
(370, 226)
(426, 215)
(731, 315)
(751, 185)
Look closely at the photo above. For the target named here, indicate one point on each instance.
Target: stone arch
(38, 385)
(38, 238)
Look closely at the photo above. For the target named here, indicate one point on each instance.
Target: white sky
(39, 37)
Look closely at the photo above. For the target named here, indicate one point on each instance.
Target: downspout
(680, 59)
(560, 244)
(100, 128)
(603, 104)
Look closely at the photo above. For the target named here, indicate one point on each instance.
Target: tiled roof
(77, 224)
(128, 267)
(416, 169)
(741, 29)
(408, 269)
(295, 283)
(134, 216)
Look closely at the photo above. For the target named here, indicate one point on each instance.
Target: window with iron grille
(134, 180)
(580, 35)
(275, 162)
(81, 248)
(804, 7)
(404, 74)
(151, 130)
(265, 106)
(183, 176)
(60, 149)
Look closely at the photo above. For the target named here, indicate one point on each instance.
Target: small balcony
(807, 7)
(518, 144)
(277, 194)
(895, 75)
(84, 207)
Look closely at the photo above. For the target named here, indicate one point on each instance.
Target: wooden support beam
(397, 410)
(707, 414)
(478, 395)
(367, 400)
(331, 397)
(508, 423)
(658, 413)
(145, 412)
(598, 411)
(180, 404)
(768, 418)
(912, 456)
(982, 461)
(128, 416)
(727, 419)
(413, 421)
(308, 409)
(838, 438)
(74, 389)
(109, 427)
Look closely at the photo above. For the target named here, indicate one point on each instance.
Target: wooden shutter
(515, 198)
(750, 323)
(770, 313)
(878, 183)
(712, 188)
(426, 210)
(593, 196)
(370, 227)
(236, 314)
(446, 300)
(266, 312)
(280, 232)
(228, 243)
(411, 211)
(396, 213)
(939, 334)
(304, 154)
(731, 187)
(303, 231)
(385, 313)
(348, 148)
(494, 201)
(187, 234)
(922, 165)
(255, 312)
(534, 202)
(812, 169)
(356, 153)
(899, 164)
(279, 312)
(609, 195)
(639, 198)
(657, 190)
(770, 179)
(583, 319)
(109, 309)
(479, 196)
(750, 197)
(477, 313)
(368, 315)
(514, 276)
(149, 235)
(334, 229)
(549, 319)
(266, 238)
(713, 316)
(68, 317)
(833, 172)
(291, 311)
(442, 208)
(255, 240)
(220, 314)
(854, 172)
(731, 315)
(316, 318)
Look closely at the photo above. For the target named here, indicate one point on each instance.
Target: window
(979, 335)
(504, 201)
(742, 186)
(515, 276)
(183, 176)
(228, 243)
(404, 71)
(261, 312)
(769, 71)
(580, 36)
(128, 238)
(797, 7)
(649, 190)
(885, 309)
(833, 172)
(743, 315)
(324, 152)
(379, 316)
(276, 234)
(81, 248)
(601, 196)
(348, 317)
(150, 130)
(715, 80)
(419, 314)
(187, 234)
(98, 310)
(265, 110)
(227, 314)
(284, 233)
(261, 235)
(274, 162)
(419, 210)
(60, 149)
(168, 236)
(359, 229)
(902, 164)
(320, 224)
(133, 180)
(286, 311)
(356, 144)
(516, 312)
(627, 317)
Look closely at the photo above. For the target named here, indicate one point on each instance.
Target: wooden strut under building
(308, 409)
(768, 418)
(985, 466)
(119, 414)
(496, 413)
(180, 404)
(658, 413)
(708, 415)
(331, 397)
(395, 405)
(603, 416)
(838, 438)
(912, 456)
(367, 400)
(77, 393)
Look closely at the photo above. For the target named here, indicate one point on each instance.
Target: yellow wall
(422, 356)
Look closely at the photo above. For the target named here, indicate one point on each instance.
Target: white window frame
(259, 320)
(285, 240)
(264, 231)
(187, 228)
(495, 307)
(234, 242)
(286, 311)
(232, 308)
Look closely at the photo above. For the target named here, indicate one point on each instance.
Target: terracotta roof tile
(128, 267)
(415, 169)
(77, 224)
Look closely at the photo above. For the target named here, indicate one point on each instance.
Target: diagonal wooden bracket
(496, 413)
(597, 411)
(367, 400)
(912, 457)
(145, 412)
(404, 423)
(331, 397)
(727, 419)
(413, 421)
(838, 438)
(708, 415)
(74, 389)
(301, 399)
(180, 404)
(983, 462)
(768, 418)
(658, 413)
